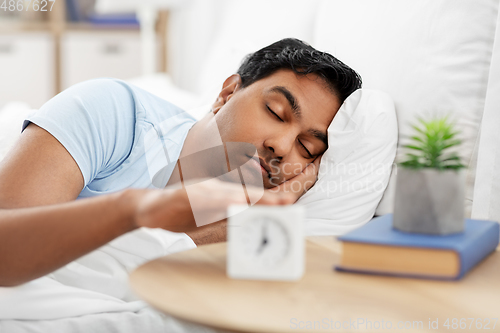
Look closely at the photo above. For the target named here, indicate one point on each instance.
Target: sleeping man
(113, 142)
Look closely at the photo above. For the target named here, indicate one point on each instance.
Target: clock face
(265, 241)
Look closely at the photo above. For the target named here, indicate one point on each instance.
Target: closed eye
(307, 151)
(274, 113)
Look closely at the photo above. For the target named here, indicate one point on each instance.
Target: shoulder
(95, 96)
(98, 88)
(100, 85)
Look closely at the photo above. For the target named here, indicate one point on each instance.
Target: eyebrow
(320, 135)
(290, 98)
(296, 111)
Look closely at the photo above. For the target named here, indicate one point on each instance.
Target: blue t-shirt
(119, 135)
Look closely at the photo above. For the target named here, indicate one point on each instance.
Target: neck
(202, 136)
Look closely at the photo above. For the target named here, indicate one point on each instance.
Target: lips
(265, 166)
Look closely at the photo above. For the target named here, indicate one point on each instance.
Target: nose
(280, 144)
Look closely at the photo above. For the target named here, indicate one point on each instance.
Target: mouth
(264, 166)
(259, 163)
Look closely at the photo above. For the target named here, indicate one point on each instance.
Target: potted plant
(430, 181)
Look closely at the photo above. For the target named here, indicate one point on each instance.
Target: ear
(230, 86)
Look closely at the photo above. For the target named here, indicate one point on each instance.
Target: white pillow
(355, 169)
(431, 56)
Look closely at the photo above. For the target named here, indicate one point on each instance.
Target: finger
(317, 161)
(309, 177)
(299, 184)
(270, 198)
(302, 181)
(280, 198)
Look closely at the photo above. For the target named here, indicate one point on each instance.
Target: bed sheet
(145, 320)
(93, 291)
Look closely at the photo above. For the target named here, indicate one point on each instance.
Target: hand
(173, 209)
(301, 183)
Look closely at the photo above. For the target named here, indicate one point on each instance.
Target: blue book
(377, 248)
(73, 10)
(114, 19)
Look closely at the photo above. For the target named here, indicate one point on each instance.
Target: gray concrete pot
(429, 201)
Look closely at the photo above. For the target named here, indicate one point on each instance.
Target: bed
(420, 53)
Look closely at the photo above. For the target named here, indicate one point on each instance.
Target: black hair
(294, 54)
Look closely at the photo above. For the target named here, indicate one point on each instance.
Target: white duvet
(92, 294)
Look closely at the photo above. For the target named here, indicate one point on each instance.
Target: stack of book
(377, 248)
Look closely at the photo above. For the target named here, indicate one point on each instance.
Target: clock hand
(264, 239)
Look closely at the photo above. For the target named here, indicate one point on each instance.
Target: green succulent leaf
(429, 146)
(414, 147)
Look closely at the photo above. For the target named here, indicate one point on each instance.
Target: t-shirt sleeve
(95, 122)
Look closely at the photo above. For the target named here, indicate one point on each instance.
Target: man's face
(285, 116)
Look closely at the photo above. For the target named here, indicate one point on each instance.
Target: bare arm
(208, 234)
(36, 241)
(38, 171)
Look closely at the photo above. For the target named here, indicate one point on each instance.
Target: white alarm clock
(265, 242)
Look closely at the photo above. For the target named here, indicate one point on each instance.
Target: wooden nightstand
(193, 285)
